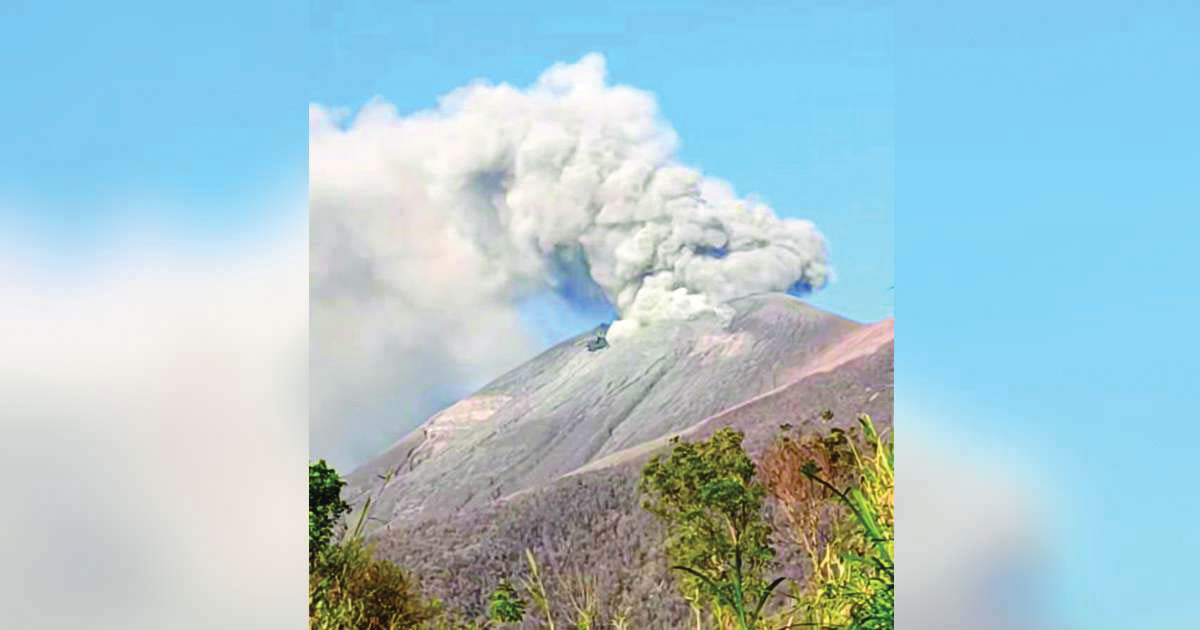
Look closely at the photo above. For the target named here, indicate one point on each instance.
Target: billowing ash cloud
(427, 229)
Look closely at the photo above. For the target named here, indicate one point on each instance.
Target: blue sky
(191, 117)
(1047, 227)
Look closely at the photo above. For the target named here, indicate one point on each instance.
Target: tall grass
(582, 604)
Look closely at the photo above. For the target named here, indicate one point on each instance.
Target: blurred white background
(153, 316)
(154, 420)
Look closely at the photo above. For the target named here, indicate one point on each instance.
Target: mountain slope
(547, 456)
(568, 407)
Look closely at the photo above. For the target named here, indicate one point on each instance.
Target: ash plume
(428, 229)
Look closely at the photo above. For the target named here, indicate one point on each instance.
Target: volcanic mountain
(547, 456)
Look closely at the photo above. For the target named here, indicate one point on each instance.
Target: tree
(837, 492)
(718, 539)
(325, 506)
(814, 519)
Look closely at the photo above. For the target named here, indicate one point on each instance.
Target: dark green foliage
(718, 538)
(505, 605)
(325, 506)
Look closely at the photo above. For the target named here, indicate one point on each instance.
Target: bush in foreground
(837, 493)
(350, 589)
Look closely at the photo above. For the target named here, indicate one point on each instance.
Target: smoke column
(427, 229)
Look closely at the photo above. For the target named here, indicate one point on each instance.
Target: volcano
(547, 456)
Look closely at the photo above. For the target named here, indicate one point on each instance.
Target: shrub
(505, 605)
(325, 507)
(350, 589)
(838, 496)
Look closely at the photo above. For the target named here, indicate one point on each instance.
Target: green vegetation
(325, 506)
(837, 492)
(348, 587)
(863, 592)
(537, 590)
(833, 497)
(506, 606)
(351, 589)
(718, 537)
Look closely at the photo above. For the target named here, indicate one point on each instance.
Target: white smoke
(428, 228)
